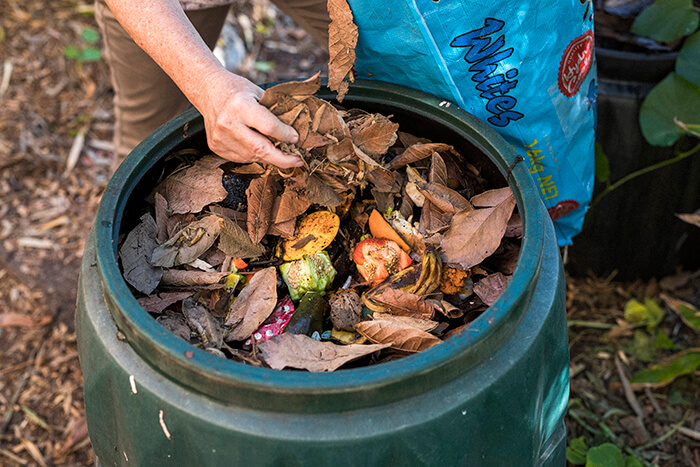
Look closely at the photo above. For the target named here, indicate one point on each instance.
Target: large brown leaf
(253, 305)
(444, 198)
(342, 39)
(135, 254)
(302, 352)
(318, 192)
(159, 302)
(402, 303)
(195, 187)
(261, 199)
(422, 324)
(491, 198)
(189, 243)
(298, 90)
(235, 242)
(415, 153)
(476, 233)
(182, 278)
(375, 139)
(490, 287)
(399, 337)
(438, 170)
(292, 203)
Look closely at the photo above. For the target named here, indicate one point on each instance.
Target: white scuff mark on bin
(125, 456)
(132, 383)
(162, 424)
(446, 104)
(464, 412)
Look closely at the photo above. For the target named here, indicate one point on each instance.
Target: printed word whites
(485, 55)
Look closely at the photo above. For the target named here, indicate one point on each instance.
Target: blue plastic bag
(526, 67)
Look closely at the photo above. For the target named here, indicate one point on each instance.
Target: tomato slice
(379, 258)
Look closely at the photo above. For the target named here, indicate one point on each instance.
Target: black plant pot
(633, 229)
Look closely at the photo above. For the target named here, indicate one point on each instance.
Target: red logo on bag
(575, 64)
(562, 209)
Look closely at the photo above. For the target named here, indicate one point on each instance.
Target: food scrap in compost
(376, 248)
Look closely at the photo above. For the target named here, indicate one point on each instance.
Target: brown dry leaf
(692, 219)
(402, 303)
(342, 39)
(433, 220)
(445, 199)
(261, 199)
(399, 337)
(490, 287)
(187, 244)
(249, 169)
(181, 278)
(318, 192)
(491, 198)
(326, 118)
(253, 305)
(136, 253)
(298, 90)
(384, 180)
(292, 203)
(407, 139)
(302, 352)
(376, 139)
(200, 320)
(515, 226)
(10, 319)
(235, 242)
(438, 170)
(342, 151)
(283, 229)
(159, 302)
(161, 213)
(446, 308)
(195, 187)
(422, 324)
(417, 152)
(475, 234)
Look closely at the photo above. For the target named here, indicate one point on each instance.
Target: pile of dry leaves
(381, 239)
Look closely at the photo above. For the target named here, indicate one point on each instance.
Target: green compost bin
(496, 394)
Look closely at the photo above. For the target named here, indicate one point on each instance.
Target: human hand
(236, 124)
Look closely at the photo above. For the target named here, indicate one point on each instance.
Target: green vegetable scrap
(310, 273)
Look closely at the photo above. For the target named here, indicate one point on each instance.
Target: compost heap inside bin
(384, 244)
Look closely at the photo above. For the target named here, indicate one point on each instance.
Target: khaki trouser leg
(312, 15)
(144, 96)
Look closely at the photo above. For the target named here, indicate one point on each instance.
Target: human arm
(234, 121)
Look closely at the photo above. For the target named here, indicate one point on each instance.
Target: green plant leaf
(641, 314)
(71, 52)
(602, 165)
(687, 63)
(89, 35)
(688, 313)
(632, 462)
(663, 342)
(90, 54)
(673, 97)
(577, 450)
(680, 364)
(605, 455)
(642, 347)
(666, 20)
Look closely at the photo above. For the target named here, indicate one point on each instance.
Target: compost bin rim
(168, 353)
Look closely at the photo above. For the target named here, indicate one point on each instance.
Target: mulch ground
(55, 161)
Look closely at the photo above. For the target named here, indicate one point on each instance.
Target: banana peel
(419, 279)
